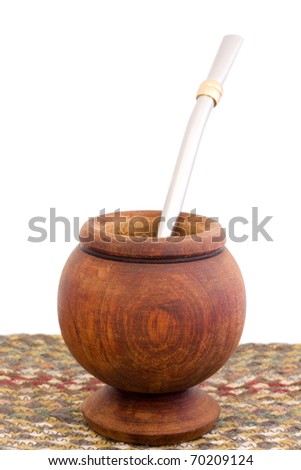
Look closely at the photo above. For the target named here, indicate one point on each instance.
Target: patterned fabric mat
(42, 387)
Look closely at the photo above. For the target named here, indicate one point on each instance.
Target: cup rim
(110, 235)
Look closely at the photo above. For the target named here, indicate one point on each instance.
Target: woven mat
(42, 387)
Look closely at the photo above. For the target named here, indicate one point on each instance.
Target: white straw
(177, 190)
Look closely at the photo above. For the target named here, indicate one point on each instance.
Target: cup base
(152, 419)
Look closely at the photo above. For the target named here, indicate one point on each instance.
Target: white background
(94, 100)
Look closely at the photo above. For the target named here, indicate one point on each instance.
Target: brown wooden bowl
(152, 318)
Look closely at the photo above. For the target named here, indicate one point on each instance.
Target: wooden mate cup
(151, 318)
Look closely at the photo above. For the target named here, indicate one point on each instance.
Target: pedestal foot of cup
(151, 419)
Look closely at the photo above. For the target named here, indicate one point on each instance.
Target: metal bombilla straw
(208, 96)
